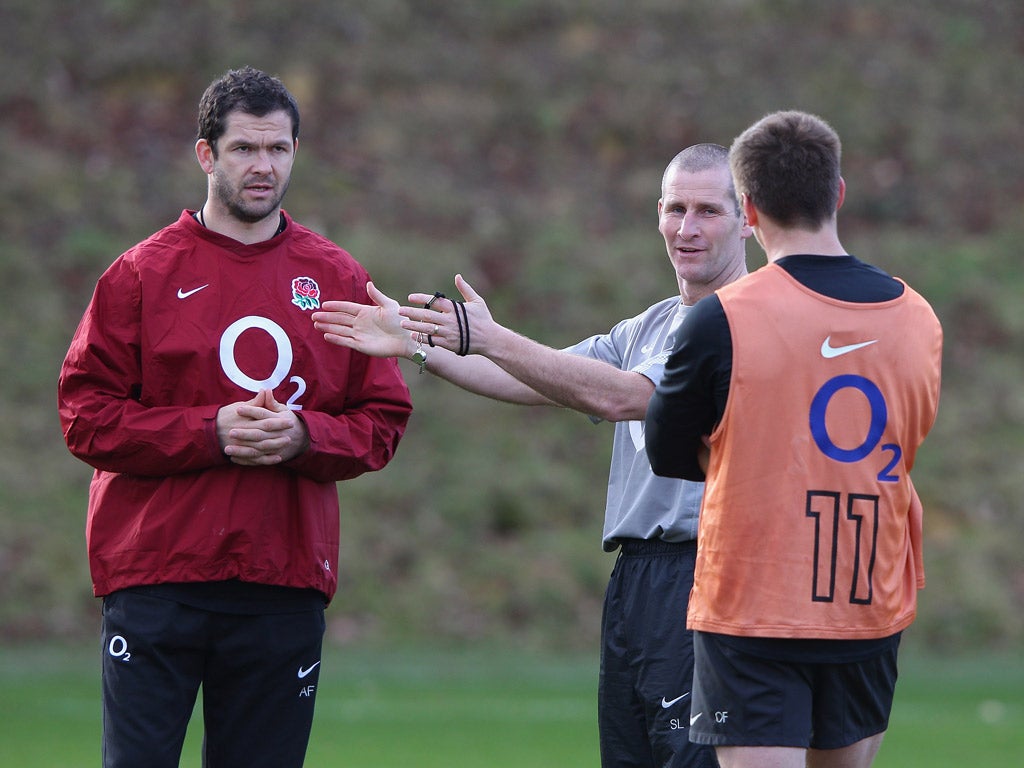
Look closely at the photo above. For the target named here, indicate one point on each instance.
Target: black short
(740, 699)
(647, 660)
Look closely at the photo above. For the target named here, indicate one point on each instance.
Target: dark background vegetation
(520, 142)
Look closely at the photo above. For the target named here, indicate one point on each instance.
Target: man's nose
(261, 162)
(688, 226)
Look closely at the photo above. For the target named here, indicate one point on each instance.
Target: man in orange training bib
(817, 379)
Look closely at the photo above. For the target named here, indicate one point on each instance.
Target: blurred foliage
(520, 142)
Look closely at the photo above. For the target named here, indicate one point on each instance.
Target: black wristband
(458, 319)
(428, 305)
(465, 317)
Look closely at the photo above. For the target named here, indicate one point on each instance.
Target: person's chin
(253, 214)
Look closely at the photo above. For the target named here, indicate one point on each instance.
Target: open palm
(374, 330)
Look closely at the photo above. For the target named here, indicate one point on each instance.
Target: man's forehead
(240, 122)
(699, 191)
(709, 184)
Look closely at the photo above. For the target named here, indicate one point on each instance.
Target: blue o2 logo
(875, 428)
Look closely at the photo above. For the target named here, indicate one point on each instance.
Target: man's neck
(244, 232)
(691, 293)
(778, 242)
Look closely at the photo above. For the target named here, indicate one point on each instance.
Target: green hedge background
(520, 142)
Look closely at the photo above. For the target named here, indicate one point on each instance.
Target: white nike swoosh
(828, 351)
(667, 704)
(185, 294)
(304, 672)
(695, 718)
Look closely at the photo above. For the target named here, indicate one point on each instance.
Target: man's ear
(842, 193)
(204, 154)
(749, 211)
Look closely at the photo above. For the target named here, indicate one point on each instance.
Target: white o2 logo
(118, 648)
(284, 358)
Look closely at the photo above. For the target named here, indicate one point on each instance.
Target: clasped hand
(260, 432)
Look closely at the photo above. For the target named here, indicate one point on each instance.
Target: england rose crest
(305, 293)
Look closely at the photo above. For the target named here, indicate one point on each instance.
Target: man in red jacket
(197, 387)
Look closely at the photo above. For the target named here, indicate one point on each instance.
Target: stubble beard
(232, 201)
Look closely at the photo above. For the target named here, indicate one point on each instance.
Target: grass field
(501, 709)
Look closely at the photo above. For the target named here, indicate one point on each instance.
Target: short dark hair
(700, 157)
(243, 90)
(787, 164)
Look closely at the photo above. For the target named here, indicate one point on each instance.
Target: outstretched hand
(468, 332)
(372, 330)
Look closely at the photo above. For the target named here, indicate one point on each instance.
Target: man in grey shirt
(646, 654)
(641, 505)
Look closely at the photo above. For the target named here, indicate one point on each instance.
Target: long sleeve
(691, 396)
(105, 424)
(365, 435)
